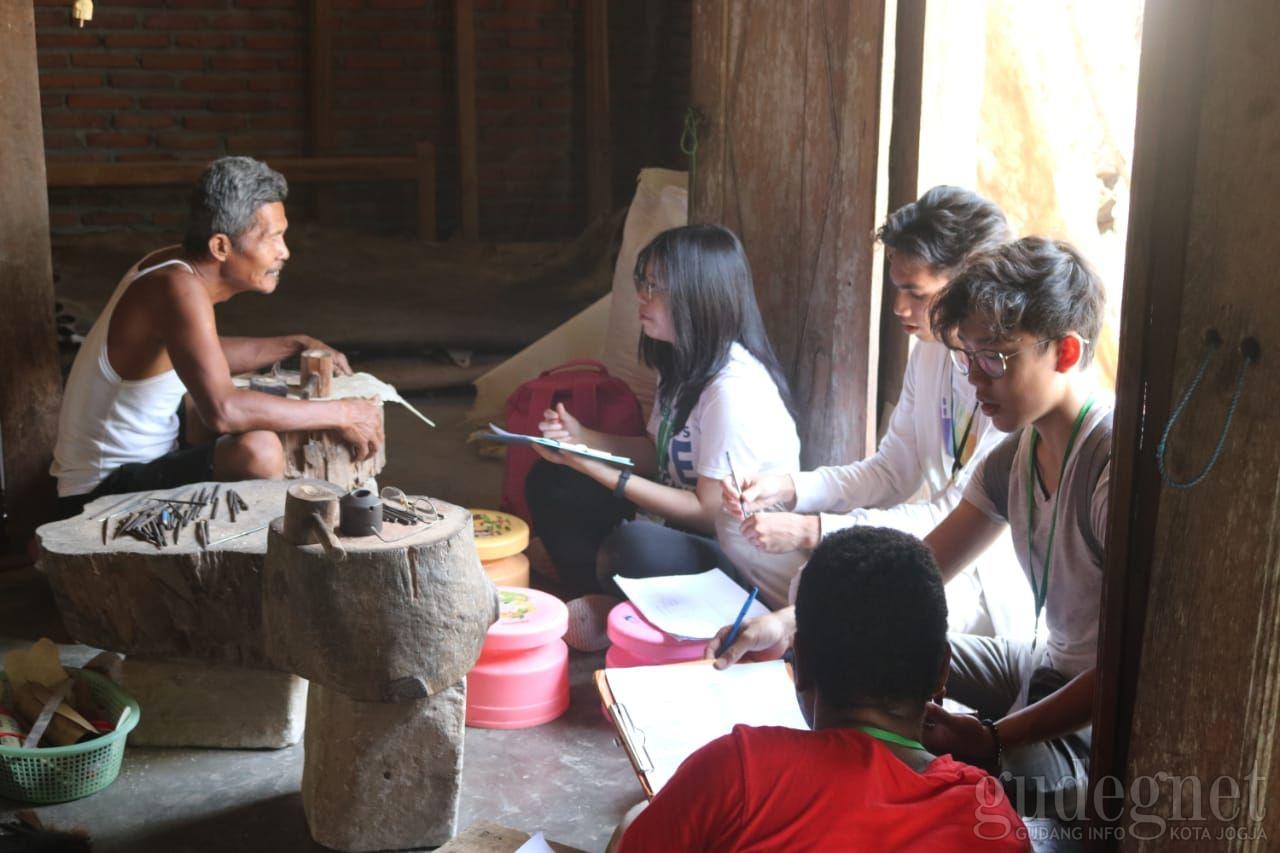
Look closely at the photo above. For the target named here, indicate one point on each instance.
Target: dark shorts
(177, 468)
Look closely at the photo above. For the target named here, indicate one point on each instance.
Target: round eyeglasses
(992, 363)
(646, 288)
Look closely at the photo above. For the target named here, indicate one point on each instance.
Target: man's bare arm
(247, 354)
(185, 321)
(961, 537)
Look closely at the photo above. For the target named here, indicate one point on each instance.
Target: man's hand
(340, 365)
(758, 492)
(781, 532)
(962, 736)
(362, 430)
(762, 638)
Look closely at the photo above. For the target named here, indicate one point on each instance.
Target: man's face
(1031, 382)
(258, 255)
(916, 286)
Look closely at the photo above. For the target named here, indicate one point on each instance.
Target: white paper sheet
(674, 710)
(692, 607)
(537, 843)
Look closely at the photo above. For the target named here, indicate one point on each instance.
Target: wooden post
(1188, 675)
(30, 380)
(904, 184)
(310, 516)
(320, 96)
(791, 92)
(317, 368)
(468, 168)
(599, 136)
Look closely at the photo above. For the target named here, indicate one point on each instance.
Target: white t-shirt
(740, 413)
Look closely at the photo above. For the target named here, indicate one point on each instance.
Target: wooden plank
(904, 180)
(172, 172)
(788, 160)
(1192, 596)
(468, 154)
(30, 381)
(320, 98)
(599, 136)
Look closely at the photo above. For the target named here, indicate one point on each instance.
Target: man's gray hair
(226, 198)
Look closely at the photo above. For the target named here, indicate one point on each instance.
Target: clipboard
(502, 436)
(636, 740)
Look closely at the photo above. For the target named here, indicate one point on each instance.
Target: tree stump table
(386, 630)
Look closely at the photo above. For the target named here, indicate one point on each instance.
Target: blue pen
(737, 623)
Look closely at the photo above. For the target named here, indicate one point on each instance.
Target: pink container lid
(516, 690)
(527, 618)
(629, 630)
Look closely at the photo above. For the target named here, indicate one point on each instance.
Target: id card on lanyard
(664, 445)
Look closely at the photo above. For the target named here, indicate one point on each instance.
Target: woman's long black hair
(712, 302)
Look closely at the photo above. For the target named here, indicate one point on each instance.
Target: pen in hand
(733, 478)
(737, 623)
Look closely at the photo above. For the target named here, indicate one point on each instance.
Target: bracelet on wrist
(998, 758)
(620, 488)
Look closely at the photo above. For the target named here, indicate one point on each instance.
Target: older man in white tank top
(157, 340)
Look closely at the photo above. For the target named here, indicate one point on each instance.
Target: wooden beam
(173, 172)
(791, 93)
(904, 180)
(468, 157)
(599, 135)
(30, 380)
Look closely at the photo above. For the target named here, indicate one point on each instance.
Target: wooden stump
(383, 776)
(323, 455)
(394, 621)
(177, 602)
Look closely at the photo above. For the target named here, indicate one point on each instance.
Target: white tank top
(107, 421)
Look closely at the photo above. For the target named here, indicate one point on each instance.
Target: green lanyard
(958, 449)
(664, 441)
(891, 737)
(1042, 589)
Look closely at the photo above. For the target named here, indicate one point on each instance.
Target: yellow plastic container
(498, 534)
(509, 571)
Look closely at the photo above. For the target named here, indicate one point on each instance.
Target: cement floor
(566, 778)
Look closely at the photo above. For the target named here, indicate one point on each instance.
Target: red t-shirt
(773, 789)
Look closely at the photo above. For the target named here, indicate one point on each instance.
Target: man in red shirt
(870, 651)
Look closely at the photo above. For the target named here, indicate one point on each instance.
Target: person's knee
(256, 455)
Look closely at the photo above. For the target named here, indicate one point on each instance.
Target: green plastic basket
(57, 774)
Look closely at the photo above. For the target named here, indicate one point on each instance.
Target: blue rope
(1213, 345)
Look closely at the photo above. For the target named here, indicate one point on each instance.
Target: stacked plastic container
(500, 541)
(522, 676)
(638, 643)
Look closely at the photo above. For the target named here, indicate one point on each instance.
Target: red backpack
(591, 395)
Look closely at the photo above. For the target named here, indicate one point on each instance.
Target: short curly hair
(871, 619)
(1040, 286)
(946, 227)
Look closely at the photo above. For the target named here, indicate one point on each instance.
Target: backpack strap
(1094, 456)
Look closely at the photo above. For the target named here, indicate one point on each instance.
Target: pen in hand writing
(733, 478)
(737, 623)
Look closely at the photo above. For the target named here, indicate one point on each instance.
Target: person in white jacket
(935, 436)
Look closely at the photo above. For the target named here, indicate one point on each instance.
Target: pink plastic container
(638, 643)
(522, 676)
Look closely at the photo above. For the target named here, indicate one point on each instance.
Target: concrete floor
(566, 778)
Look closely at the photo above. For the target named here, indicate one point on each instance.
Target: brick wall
(149, 79)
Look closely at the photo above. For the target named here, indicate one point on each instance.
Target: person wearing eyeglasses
(1022, 323)
(722, 401)
(936, 434)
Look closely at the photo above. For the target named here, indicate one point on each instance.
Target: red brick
(50, 99)
(240, 104)
(267, 141)
(112, 217)
(409, 41)
(274, 82)
(373, 61)
(61, 140)
(277, 121)
(274, 42)
(507, 22)
(395, 4)
(269, 4)
(499, 103)
(69, 81)
(140, 80)
(46, 39)
(506, 61)
(212, 5)
(290, 63)
(213, 122)
(557, 102)
(141, 121)
(169, 218)
(170, 102)
(117, 140)
(176, 21)
(75, 121)
(210, 83)
(538, 40)
(107, 20)
(96, 101)
(260, 21)
(51, 60)
(189, 141)
(557, 61)
(205, 41)
(534, 6)
(63, 219)
(354, 41)
(119, 40)
(51, 18)
(173, 61)
(240, 62)
(104, 60)
(142, 156)
(535, 81)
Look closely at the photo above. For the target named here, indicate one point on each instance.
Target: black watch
(620, 488)
(998, 758)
